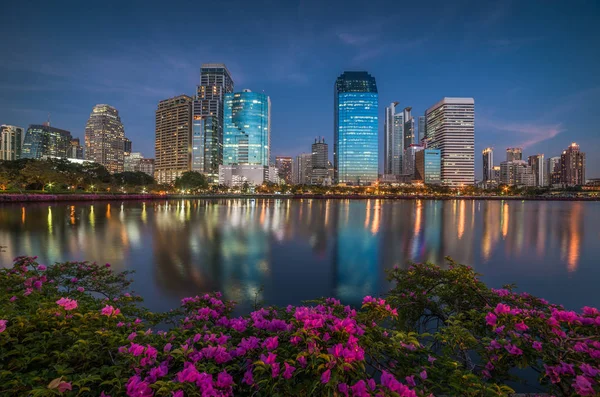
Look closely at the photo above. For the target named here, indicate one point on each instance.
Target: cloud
(512, 44)
(356, 39)
(526, 134)
(388, 48)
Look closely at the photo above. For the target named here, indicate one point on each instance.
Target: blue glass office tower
(247, 133)
(355, 146)
(43, 140)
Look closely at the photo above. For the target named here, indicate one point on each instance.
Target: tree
(191, 180)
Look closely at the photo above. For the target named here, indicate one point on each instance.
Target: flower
(537, 346)
(74, 280)
(224, 380)
(41, 267)
(13, 298)
(110, 311)
(491, 318)
(67, 304)
(325, 376)
(178, 393)
(520, 326)
(501, 308)
(514, 350)
(583, 386)
(270, 343)
(288, 371)
(2, 325)
(64, 386)
(80, 289)
(423, 374)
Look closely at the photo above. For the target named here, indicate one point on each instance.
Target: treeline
(61, 175)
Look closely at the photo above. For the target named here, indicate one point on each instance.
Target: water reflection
(302, 249)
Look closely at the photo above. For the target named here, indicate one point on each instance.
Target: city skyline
(505, 70)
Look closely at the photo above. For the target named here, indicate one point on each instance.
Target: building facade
(237, 175)
(173, 138)
(302, 169)
(552, 168)
(104, 138)
(146, 166)
(75, 150)
(428, 166)
(538, 167)
(393, 148)
(408, 160)
(284, 167)
(208, 122)
(319, 161)
(516, 173)
(11, 142)
(127, 146)
(422, 128)
(572, 166)
(44, 140)
(488, 164)
(409, 129)
(514, 153)
(132, 161)
(451, 128)
(355, 146)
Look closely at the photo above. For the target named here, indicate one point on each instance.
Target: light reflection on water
(303, 249)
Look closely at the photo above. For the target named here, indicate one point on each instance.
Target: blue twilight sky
(533, 67)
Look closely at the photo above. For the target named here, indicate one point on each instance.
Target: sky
(533, 67)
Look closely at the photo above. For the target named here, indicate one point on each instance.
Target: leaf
(54, 384)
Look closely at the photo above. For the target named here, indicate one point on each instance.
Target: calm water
(302, 249)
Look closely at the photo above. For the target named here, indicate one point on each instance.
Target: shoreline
(40, 197)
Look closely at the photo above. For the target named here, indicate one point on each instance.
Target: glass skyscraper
(393, 140)
(355, 146)
(43, 140)
(104, 138)
(247, 133)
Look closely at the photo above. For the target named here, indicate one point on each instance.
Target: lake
(286, 251)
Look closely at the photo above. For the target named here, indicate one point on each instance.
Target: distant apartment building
(319, 163)
(428, 166)
(514, 153)
(516, 173)
(132, 161)
(408, 160)
(553, 171)
(488, 164)
(422, 128)
(302, 169)
(284, 168)
(538, 168)
(127, 146)
(44, 140)
(450, 126)
(572, 166)
(104, 137)
(75, 150)
(146, 166)
(11, 142)
(173, 138)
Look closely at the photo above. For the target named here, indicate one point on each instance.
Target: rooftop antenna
(48, 119)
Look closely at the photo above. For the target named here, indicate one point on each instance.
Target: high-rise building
(75, 150)
(409, 129)
(393, 140)
(104, 137)
(422, 127)
(536, 162)
(44, 140)
(517, 173)
(428, 164)
(11, 142)
(355, 146)
(146, 166)
(126, 146)
(284, 167)
(319, 173)
(552, 171)
(132, 161)
(572, 166)
(451, 128)
(408, 160)
(488, 164)
(301, 169)
(496, 173)
(173, 138)
(208, 122)
(514, 153)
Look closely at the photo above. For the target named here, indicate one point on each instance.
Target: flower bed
(73, 329)
(11, 198)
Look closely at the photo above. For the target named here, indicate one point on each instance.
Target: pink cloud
(528, 133)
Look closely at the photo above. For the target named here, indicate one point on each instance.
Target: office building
(514, 153)
(451, 128)
(208, 123)
(11, 142)
(536, 162)
(422, 127)
(319, 161)
(302, 169)
(75, 150)
(408, 160)
(409, 129)
(284, 167)
(173, 138)
(496, 174)
(132, 161)
(237, 175)
(572, 166)
(126, 146)
(488, 164)
(355, 146)
(516, 173)
(393, 140)
(428, 166)
(553, 171)
(44, 140)
(104, 137)
(146, 166)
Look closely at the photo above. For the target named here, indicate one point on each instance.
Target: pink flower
(132, 336)
(102, 394)
(2, 325)
(248, 378)
(74, 280)
(167, 347)
(537, 346)
(14, 298)
(325, 376)
(28, 291)
(514, 350)
(360, 389)
(588, 370)
(343, 388)
(224, 380)
(491, 318)
(583, 386)
(110, 311)
(80, 289)
(411, 381)
(302, 361)
(520, 326)
(64, 386)
(270, 343)
(37, 285)
(501, 308)
(67, 304)
(288, 371)
(423, 374)
(41, 267)
(178, 393)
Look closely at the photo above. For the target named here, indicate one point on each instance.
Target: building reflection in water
(239, 246)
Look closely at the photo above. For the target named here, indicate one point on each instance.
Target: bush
(72, 329)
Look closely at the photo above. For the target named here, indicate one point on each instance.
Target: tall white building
(393, 140)
(302, 169)
(451, 128)
(536, 162)
(11, 142)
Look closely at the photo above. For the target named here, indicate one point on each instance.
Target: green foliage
(191, 180)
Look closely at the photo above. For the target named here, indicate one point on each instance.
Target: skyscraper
(408, 160)
(132, 162)
(421, 129)
(409, 129)
(488, 164)
(75, 150)
(514, 153)
(319, 173)
(355, 146)
(284, 167)
(44, 140)
(11, 142)
(536, 162)
(428, 166)
(104, 136)
(451, 128)
(516, 172)
(301, 169)
(572, 166)
(393, 140)
(552, 170)
(173, 138)
(127, 146)
(208, 124)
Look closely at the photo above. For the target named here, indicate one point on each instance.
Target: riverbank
(41, 197)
